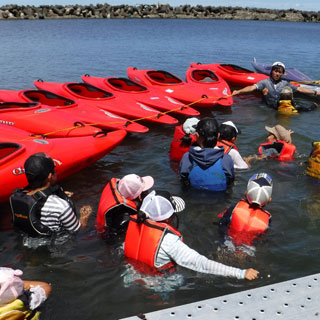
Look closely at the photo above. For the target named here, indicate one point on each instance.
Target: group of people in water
(148, 218)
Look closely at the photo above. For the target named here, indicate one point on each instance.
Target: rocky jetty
(156, 11)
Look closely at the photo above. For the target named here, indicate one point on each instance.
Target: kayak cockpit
(18, 105)
(8, 151)
(163, 77)
(47, 98)
(235, 68)
(88, 91)
(126, 85)
(204, 76)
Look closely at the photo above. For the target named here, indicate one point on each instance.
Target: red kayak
(234, 75)
(208, 80)
(43, 120)
(173, 86)
(95, 97)
(69, 154)
(83, 112)
(148, 96)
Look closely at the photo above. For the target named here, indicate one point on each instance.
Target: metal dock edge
(297, 299)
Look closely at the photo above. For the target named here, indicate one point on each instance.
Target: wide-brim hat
(280, 132)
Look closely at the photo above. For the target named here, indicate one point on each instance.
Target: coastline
(156, 11)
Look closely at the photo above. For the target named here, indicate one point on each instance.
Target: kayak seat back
(9, 151)
(88, 91)
(126, 85)
(47, 98)
(19, 105)
(235, 68)
(163, 77)
(204, 76)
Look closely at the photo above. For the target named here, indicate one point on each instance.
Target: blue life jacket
(212, 178)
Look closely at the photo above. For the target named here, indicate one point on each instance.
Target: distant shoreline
(155, 11)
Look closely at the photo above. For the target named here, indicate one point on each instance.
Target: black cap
(37, 168)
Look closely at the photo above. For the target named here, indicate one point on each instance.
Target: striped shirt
(172, 248)
(58, 215)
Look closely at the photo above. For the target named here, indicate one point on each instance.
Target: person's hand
(69, 193)
(235, 92)
(265, 91)
(85, 212)
(251, 274)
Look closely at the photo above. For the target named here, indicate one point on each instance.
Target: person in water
(184, 136)
(228, 136)
(271, 88)
(120, 199)
(313, 168)
(152, 241)
(279, 144)
(20, 299)
(247, 219)
(43, 207)
(206, 166)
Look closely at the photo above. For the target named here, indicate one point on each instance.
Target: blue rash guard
(207, 168)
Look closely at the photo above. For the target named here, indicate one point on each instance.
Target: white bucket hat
(189, 126)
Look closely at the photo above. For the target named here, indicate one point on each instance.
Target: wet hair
(186, 140)
(37, 168)
(227, 132)
(208, 129)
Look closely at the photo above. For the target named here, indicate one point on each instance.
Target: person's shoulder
(55, 200)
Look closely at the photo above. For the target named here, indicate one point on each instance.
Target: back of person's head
(208, 130)
(37, 168)
(131, 186)
(259, 189)
(160, 205)
(286, 93)
(11, 285)
(228, 131)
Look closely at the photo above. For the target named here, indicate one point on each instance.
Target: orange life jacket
(110, 200)
(286, 153)
(178, 149)
(143, 241)
(227, 145)
(247, 223)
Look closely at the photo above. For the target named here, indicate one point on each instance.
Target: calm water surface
(91, 279)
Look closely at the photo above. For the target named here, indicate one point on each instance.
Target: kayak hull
(69, 154)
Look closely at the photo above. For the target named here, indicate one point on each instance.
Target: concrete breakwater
(165, 11)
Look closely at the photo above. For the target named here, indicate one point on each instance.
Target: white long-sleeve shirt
(238, 162)
(172, 248)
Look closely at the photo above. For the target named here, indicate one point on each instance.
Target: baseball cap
(231, 124)
(160, 205)
(190, 125)
(131, 185)
(37, 168)
(259, 189)
(280, 132)
(279, 64)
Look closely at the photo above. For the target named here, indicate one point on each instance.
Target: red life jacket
(247, 223)
(178, 149)
(227, 145)
(286, 153)
(110, 200)
(143, 241)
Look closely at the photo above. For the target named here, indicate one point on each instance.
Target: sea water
(91, 279)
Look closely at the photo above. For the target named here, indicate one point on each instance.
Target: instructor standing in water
(272, 87)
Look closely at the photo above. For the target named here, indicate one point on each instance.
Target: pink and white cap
(131, 185)
(11, 285)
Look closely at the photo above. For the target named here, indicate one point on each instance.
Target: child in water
(246, 220)
(184, 136)
(279, 144)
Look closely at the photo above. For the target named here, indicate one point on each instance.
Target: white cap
(259, 189)
(189, 126)
(279, 64)
(160, 205)
(231, 124)
(131, 185)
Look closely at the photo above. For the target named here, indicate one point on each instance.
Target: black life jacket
(26, 209)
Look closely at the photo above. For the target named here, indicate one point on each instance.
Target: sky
(308, 5)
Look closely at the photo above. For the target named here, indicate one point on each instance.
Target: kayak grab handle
(87, 75)
(79, 124)
(159, 115)
(43, 136)
(204, 96)
(101, 133)
(134, 68)
(127, 124)
(40, 80)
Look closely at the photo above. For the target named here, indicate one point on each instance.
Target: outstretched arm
(247, 89)
(308, 91)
